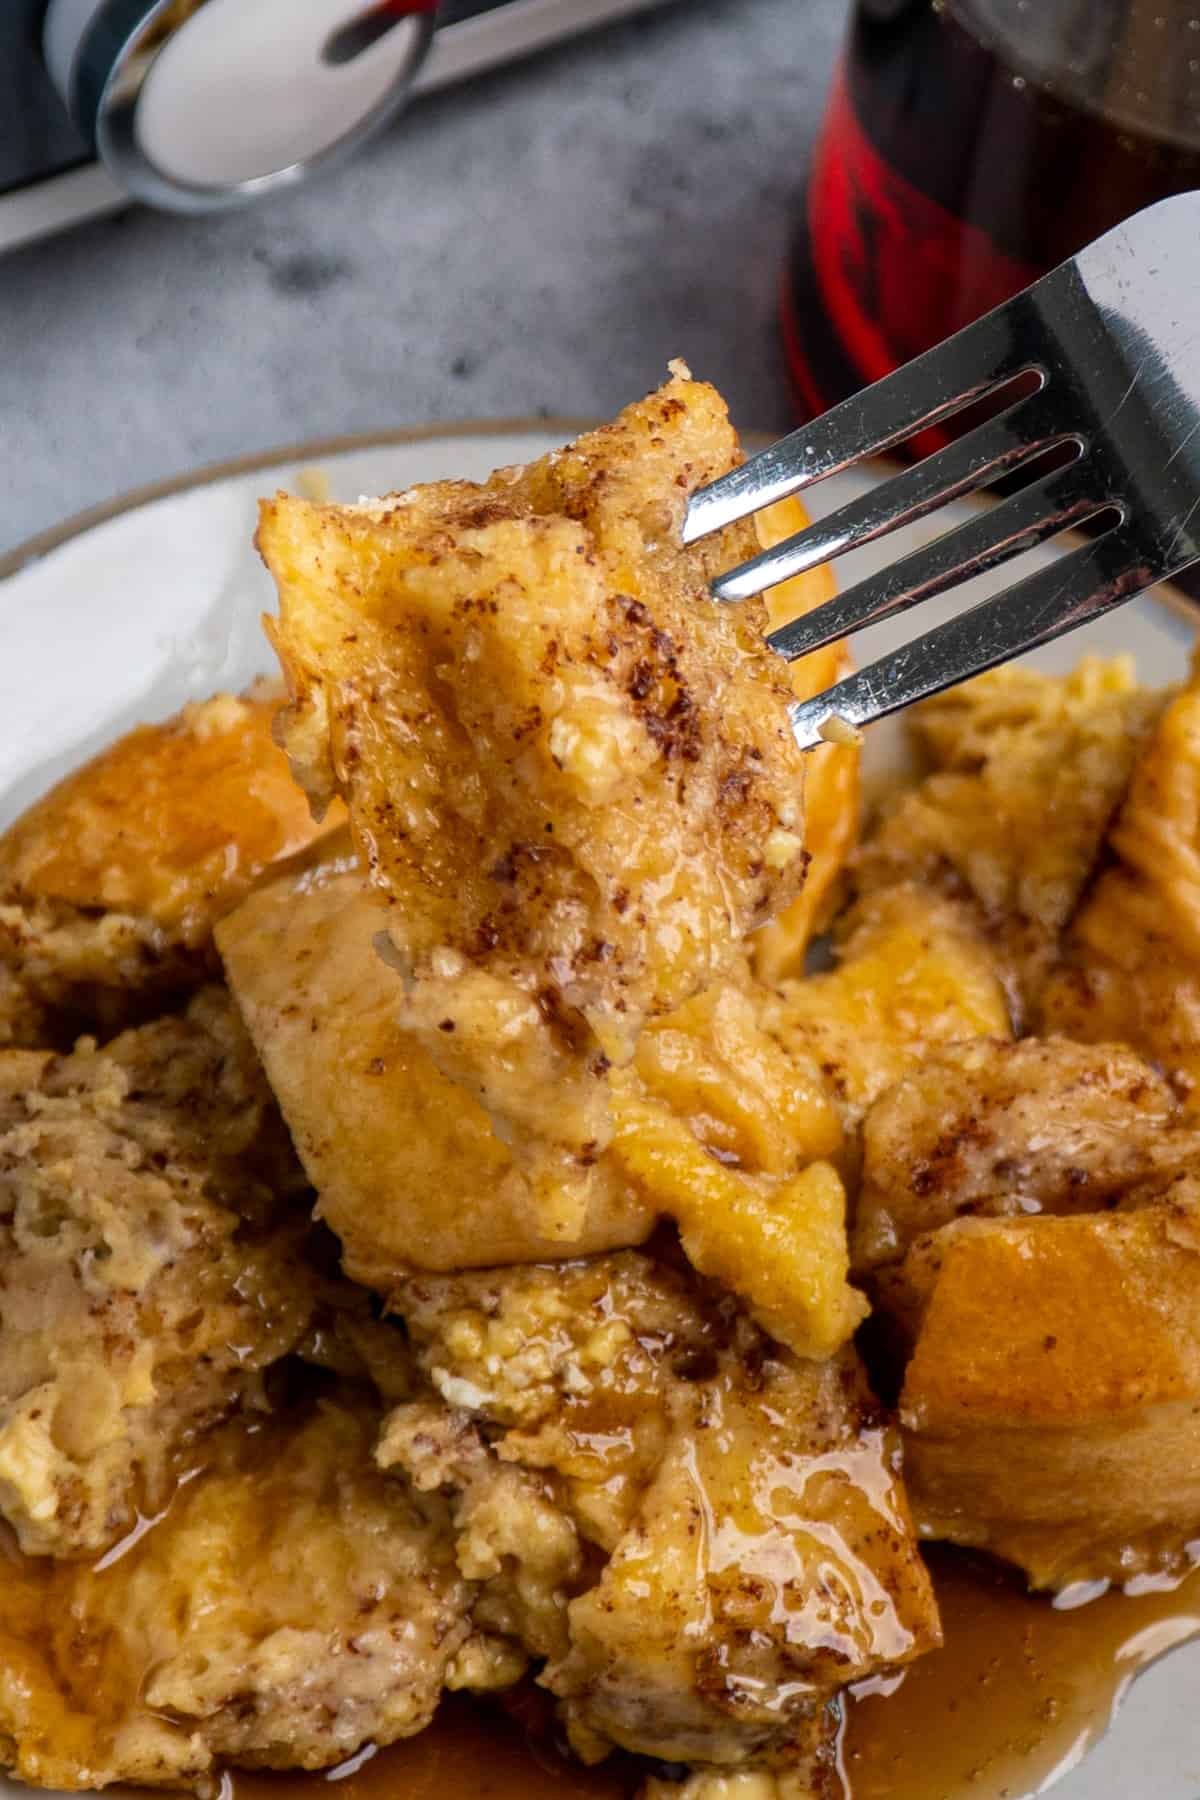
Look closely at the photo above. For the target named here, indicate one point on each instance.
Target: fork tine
(1072, 590)
(1014, 436)
(1066, 497)
(920, 394)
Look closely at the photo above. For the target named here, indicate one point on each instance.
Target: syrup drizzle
(1019, 1693)
(1021, 1690)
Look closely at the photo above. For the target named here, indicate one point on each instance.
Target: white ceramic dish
(125, 614)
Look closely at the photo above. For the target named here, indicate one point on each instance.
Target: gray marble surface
(540, 241)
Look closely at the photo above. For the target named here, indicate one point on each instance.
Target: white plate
(128, 613)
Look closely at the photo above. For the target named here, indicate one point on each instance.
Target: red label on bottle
(895, 271)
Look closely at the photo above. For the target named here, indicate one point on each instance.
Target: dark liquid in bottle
(969, 146)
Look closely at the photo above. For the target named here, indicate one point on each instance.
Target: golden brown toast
(110, 884)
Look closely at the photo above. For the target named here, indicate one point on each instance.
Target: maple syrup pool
(1020, 1686)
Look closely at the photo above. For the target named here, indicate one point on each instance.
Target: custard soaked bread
(1026, 1213)
(568, 768)
(998, 1130)
(110, 884)
(1023, 772)
(1029, 1217)
(293, 1605)
(408, 1170)
(327, 1570)
(571, 775)
(714, 1124)
(914, 972)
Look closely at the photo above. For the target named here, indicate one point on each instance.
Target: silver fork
(1112, 341)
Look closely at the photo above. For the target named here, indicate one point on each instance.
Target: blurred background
(793, 195)
(538, 239)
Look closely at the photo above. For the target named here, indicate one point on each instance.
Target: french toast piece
(914, 971)
(567, 766)
(293, 1605)
(1024, 771)
(989, 1129)
(1050, 1407)
(408, 1170)
(757, 1542)
(1029, 1219)
(714, 1125)
(110, 884)
(151, 1267)
(1131, 963)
